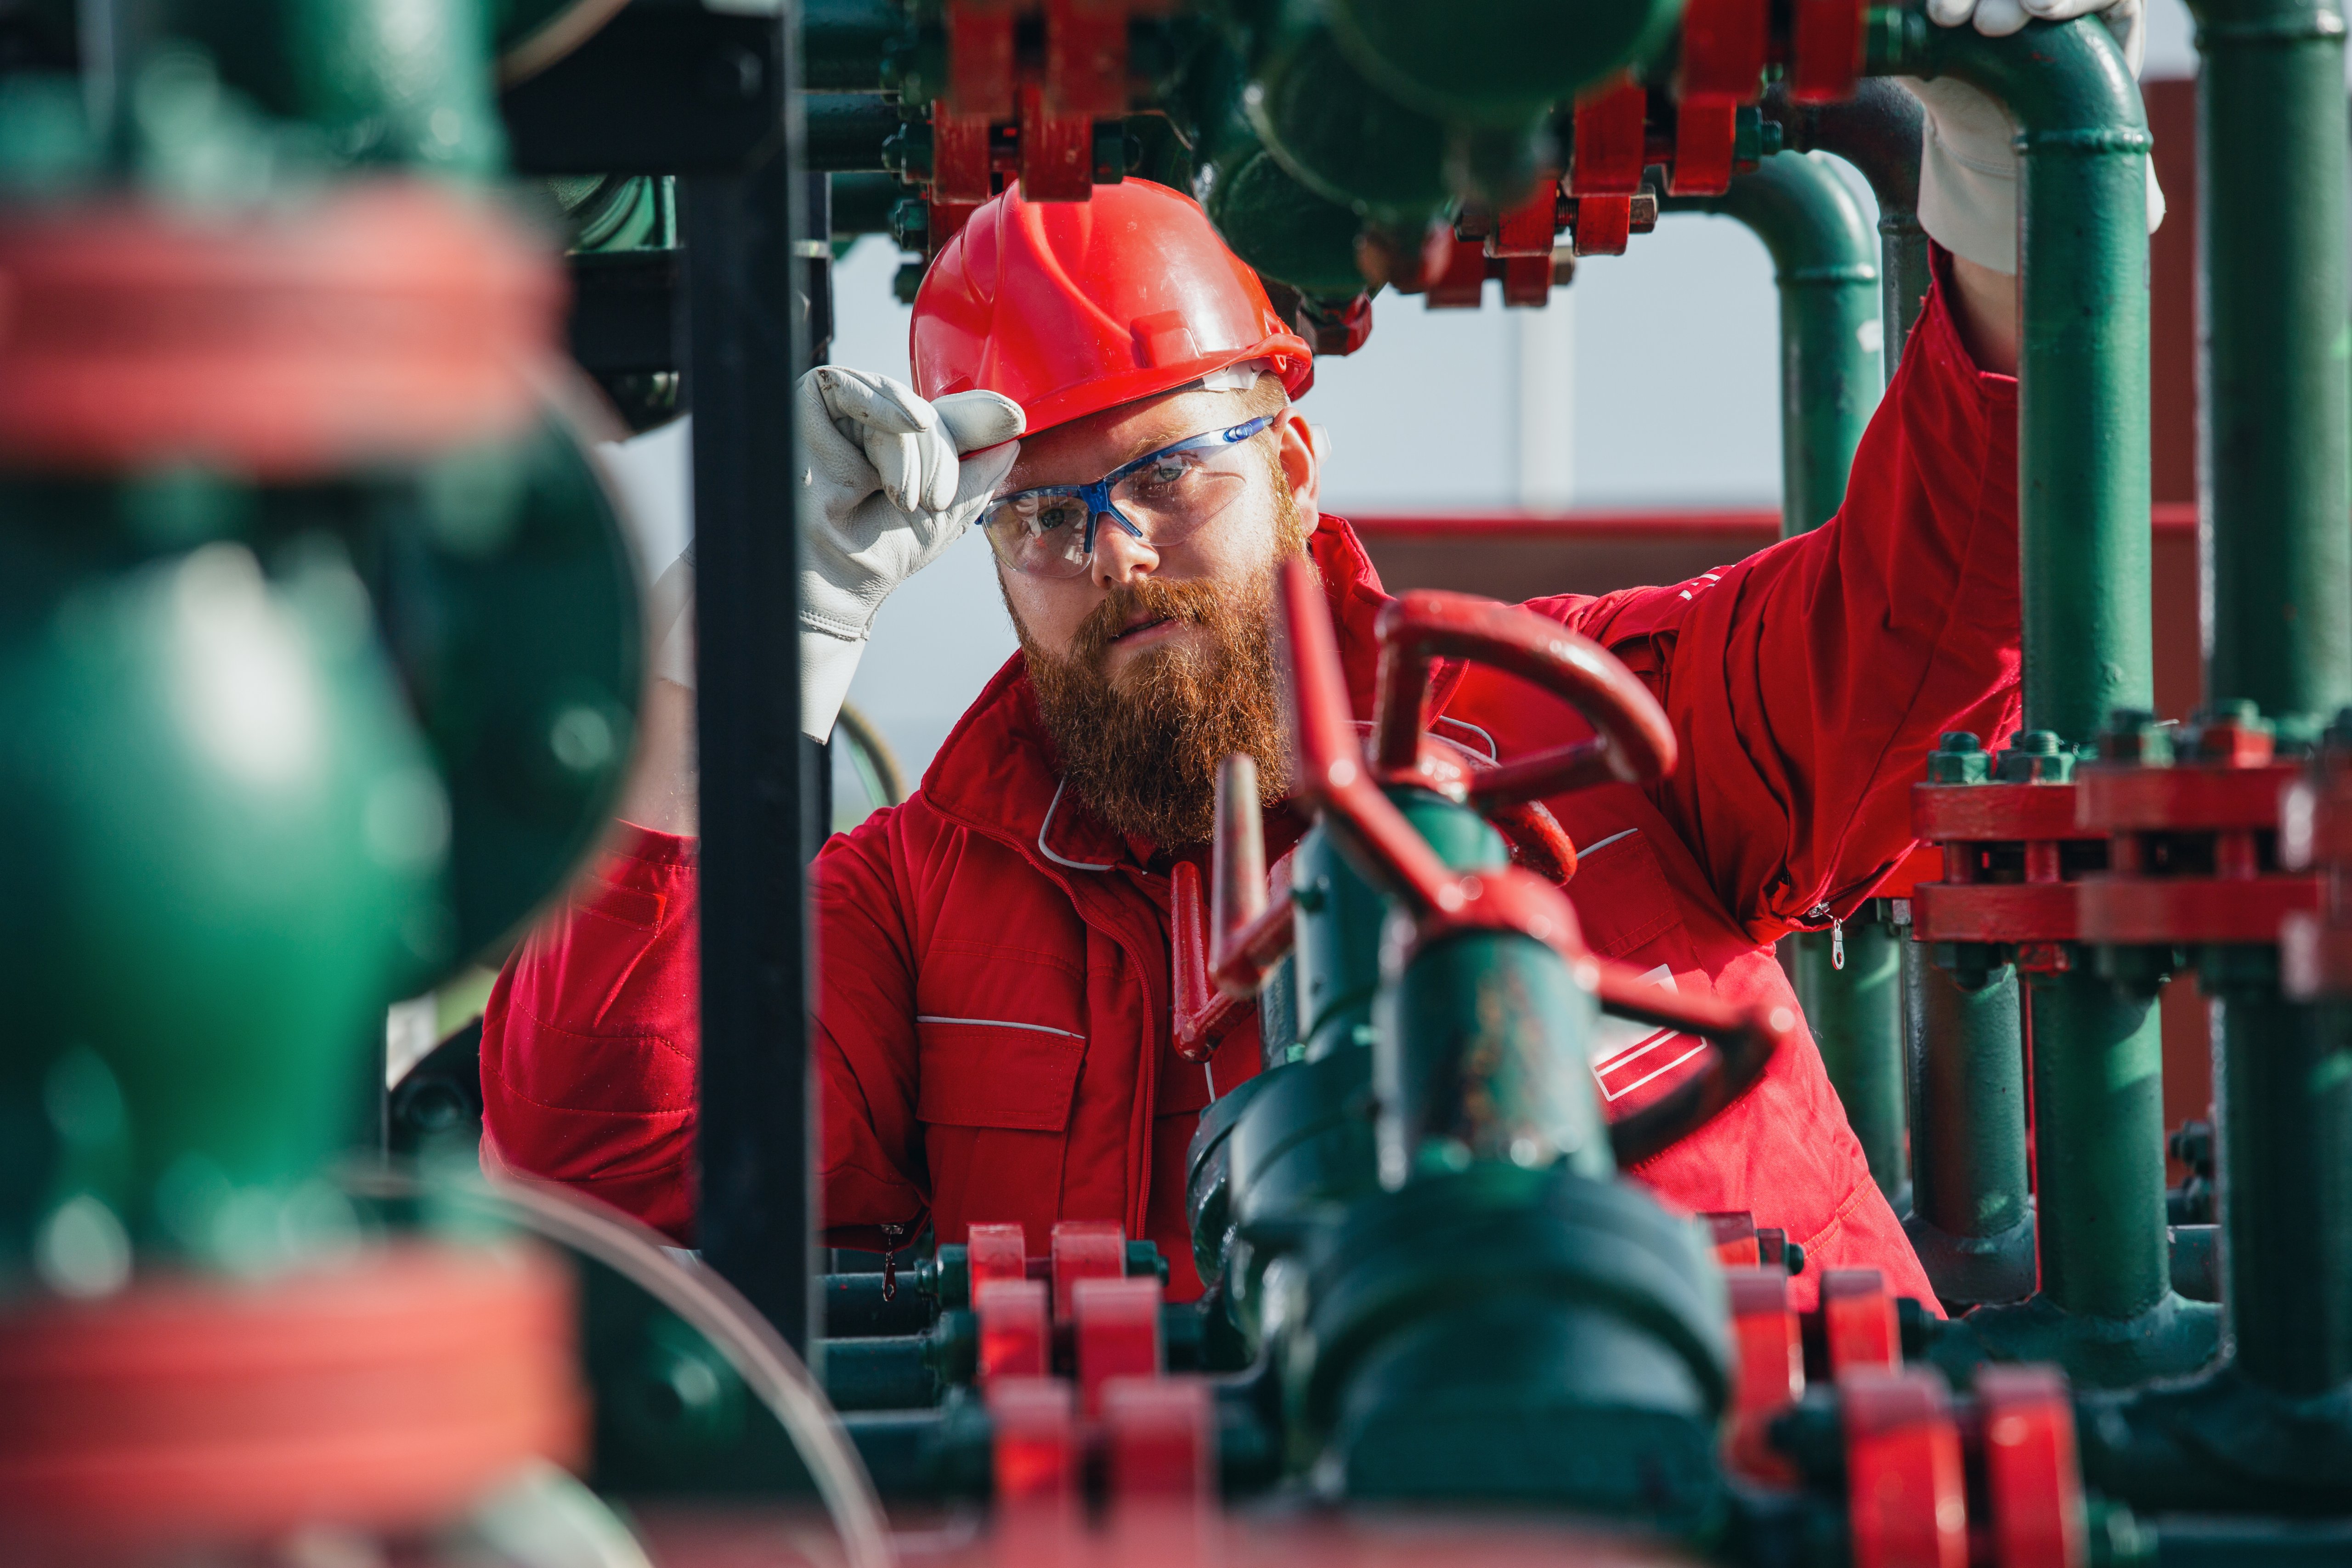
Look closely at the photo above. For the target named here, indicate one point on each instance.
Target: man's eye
(1051, 516)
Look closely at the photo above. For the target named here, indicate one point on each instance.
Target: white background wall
(1649, 383)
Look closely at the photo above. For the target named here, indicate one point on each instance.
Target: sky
(1649, 383)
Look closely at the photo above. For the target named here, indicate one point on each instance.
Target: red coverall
(992, 1009)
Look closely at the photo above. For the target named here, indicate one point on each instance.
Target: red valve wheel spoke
(1636, 740)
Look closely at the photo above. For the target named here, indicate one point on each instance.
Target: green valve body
(1498, 1319)
(241, 845)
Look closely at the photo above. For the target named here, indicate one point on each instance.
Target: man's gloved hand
(887, 483)
(884, 487)
(1967, 169)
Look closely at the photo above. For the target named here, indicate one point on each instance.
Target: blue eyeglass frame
(1096, 496)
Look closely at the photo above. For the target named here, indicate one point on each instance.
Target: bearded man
(992, 1011)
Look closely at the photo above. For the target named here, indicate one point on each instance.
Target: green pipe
(2083, 452)
(2106, 1309)
(1877, 130)
(2269, 1428)
(1970, 1221)
(2272, 138)
(1828, 281)
(847, 130)
(2273, 135)
(1856, 1020)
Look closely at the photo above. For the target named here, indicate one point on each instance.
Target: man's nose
(1119, 555)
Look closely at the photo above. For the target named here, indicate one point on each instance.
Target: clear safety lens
(1163, 501)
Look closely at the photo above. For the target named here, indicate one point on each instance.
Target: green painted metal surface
(1478, 1058)
(2277, 400)
(1856, 1017)
(1971, 1220)
(240, 843)
(2105, 1310)
(2082, 422)
(1878, 132)
(1498, 63)
(1826, 270)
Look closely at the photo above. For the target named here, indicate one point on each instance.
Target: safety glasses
(1162, 499)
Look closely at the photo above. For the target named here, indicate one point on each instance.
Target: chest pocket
(996, 1072)
(1630, 917)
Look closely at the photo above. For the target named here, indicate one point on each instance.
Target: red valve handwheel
(1634, 741)
(998, 1251)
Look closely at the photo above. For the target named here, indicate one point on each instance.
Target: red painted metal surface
(1116, 1327)
(1906, 1490)
(1084, 1249)
(1057, 151)
(1768, 1373)
(2034, 1486)
(1638, 740)
(1858, 1323)
(387, 1394)
(1607, 157)
(1706, 137)
(1085, 57)
(390, 322)
(1017, 1338)
(979, 61)
(1825, 49)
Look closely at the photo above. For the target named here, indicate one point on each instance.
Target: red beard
(1142, 753)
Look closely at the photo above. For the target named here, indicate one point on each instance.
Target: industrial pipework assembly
(320, 655)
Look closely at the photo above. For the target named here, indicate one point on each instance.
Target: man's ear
(1302, 467)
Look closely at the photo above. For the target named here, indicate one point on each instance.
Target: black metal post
(758, 1111)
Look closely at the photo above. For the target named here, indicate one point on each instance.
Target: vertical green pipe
(1856, 1020)
(1827, 276)
(2272, 138)
(1970, 1221)
(2105, 1310)
(2098, 1101)
(2277, 526)
(2083, 452)
(2283, 1099)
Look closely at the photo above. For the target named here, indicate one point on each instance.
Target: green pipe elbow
(2083, 418)
(1826, 268)
(1878, 130)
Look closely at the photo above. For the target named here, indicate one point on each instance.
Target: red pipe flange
(2033, 1484)
(1825, 49)
(1084, 1249)
(1906, 1489)
(1016, 1336)
(1976, 824)
(387, 1395)
(2189, 845)
(1858, 1322)
(1769, 1370)
(1723, 59)
(395, 320)
(1115, 1334)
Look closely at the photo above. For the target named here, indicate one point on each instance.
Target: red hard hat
(1071, 308)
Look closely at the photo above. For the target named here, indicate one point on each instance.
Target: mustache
(1192, 603)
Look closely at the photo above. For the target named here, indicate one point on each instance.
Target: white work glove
(1968, 168)
(886, 488)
